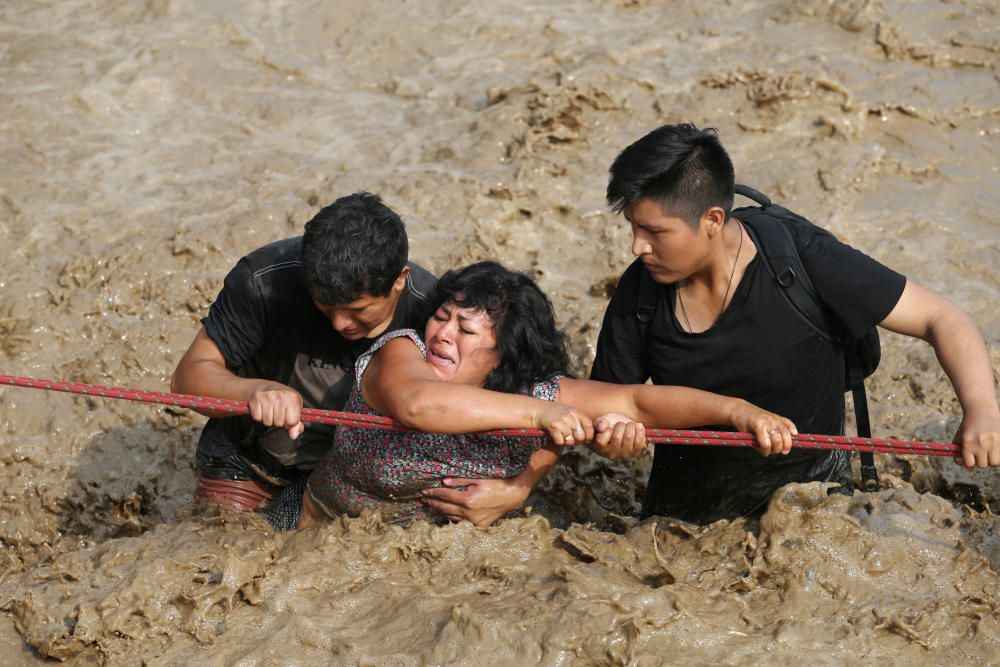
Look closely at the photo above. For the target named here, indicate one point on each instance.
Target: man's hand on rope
(772, 433)
(979, 437)
(275, 404)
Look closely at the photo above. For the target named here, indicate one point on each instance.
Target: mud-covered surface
(881, 578)
(147, 146)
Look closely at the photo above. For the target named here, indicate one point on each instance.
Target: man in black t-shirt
(284, 332)
(720, 323)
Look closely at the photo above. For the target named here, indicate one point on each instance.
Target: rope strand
(334, 417)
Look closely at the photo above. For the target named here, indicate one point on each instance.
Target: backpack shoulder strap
(767, 227)
(766, 224)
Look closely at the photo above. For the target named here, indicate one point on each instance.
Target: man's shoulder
(768, 224)
(270, 276)
(277, 257)
(622, 341)
(626, 292)
(633, 273)
(417, 300)
(421, 283)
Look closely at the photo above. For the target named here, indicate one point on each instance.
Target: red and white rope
(655, 436)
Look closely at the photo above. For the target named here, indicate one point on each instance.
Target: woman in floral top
(373, 468)
(491, 358)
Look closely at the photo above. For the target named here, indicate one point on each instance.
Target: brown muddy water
(147, 146)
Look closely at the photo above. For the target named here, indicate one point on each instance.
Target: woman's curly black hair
(530, 347)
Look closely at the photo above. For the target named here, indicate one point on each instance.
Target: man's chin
(664, 277)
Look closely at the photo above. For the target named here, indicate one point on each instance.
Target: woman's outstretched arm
(665, 406)
(398, 383)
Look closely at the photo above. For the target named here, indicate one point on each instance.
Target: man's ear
(713, 220)
(400, 282)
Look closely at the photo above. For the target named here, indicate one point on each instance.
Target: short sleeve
(859, 290)
(620, 355)
(362, 363)
(547, 390)
(237, 321)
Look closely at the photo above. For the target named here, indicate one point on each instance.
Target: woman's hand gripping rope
(565, 425)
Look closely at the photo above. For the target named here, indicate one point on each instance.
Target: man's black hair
(529, 346)
(684, 169)
(357, 245)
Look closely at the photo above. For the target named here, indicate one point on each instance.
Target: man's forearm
(681, 407)
(206, 379)
(962, 353)
(202, 372)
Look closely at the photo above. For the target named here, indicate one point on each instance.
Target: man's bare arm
(202, 372)
(962, 353)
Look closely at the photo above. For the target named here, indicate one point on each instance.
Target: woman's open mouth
(439, 359)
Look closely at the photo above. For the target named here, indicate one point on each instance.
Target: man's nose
(640, 246)
(340, 321)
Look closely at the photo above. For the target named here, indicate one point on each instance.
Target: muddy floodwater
(146, 146)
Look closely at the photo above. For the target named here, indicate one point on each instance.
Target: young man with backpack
(760, 304)
(284, 333)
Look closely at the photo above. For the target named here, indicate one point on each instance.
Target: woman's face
(461, 344)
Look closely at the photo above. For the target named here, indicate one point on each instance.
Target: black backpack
(768, 226)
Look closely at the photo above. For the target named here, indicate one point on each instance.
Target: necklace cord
(729, 286)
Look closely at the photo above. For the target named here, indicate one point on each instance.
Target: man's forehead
(647, 208)
(363, 299)
(359, 302)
